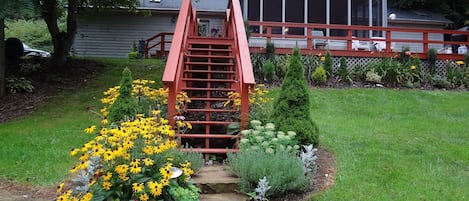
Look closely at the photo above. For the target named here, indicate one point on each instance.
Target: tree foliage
(455, 10)
(125, 105)
(292, 107)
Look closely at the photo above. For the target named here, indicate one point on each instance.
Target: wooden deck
(387, 41)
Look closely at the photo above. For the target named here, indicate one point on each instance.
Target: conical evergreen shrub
(125, 105)
(291, 110)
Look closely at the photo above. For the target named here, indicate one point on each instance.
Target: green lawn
(389, 144)
(395, 144)
(35, 148)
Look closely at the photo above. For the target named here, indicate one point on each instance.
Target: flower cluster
(131, 159)
(257, 97)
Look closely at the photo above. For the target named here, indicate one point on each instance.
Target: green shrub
(291, 110)
(125, 105)
(319, 75)
(343, 71)
(432, 53)
(373, 77)
(455, 75)
(328, 64)
(132, 55)
(283, 170)
(439, 81)
(281, 63)
(270, 50)
(266, 138)
(310, 63)
(14, 85)
(268, 69)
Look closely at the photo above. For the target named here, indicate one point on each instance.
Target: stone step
(223, 197)
(214, 179)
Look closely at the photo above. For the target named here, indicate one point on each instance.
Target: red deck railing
(386, 34)
(159, 40)
(172, 78)
(234, 27)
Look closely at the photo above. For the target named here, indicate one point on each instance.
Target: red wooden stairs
(207, 69)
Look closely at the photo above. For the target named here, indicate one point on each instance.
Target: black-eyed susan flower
(108, 176)
(144, 197)
(107, 185)
(137, 187)
(148, 162)
(60, 187)
(90, 129)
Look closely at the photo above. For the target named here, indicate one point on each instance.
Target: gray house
(113, 34)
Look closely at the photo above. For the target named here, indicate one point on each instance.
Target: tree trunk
(2, 58)
(62, 41)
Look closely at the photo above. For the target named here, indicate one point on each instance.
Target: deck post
(425, 42)
(309, 38)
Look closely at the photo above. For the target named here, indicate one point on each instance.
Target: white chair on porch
(320, 43)
(361, 45)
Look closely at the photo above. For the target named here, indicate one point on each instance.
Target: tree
(291, 110)
(62, 40)
(9, 8)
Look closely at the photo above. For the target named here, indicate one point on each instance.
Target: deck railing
(234, 27)
(186, 26)
(346, 35)
(158, 41)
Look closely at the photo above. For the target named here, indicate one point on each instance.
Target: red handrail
(266, 27)
(161, 43)
(185, 27)
(234, 25)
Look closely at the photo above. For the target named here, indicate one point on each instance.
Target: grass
(389, 144)
(395, 144)
(35, 148)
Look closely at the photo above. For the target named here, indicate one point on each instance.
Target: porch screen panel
(317, 11)
(338, 16)
(254, 13)
(377, 16)
(360, 15)
(273, 13)
(294, 12)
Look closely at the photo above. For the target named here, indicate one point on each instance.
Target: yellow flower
(147, 162)
(122, 169)
(144, 197)
(460, 62)
(137, 187)
(108, 176)
(413, 67)
(323, 58)
(74, 152)
(155, 188)
(90, 129)
(135, 169)
(107, 185)
(104, 121)
(60, 187)
(87, 197)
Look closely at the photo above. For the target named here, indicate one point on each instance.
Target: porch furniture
(380, 44)
(319, 43)
(361, 45)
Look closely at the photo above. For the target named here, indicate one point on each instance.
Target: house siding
(415, 47)
(113, 35)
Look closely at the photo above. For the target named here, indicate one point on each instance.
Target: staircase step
(210, 150)
(207, 80)
(208, 99)
(210, 56)
(210, 136)
(211, 122)
(211, 110)
(208, 63)
(216, 179)
(209, 49)
(206, 89)
(224, 197)
(210, 71)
